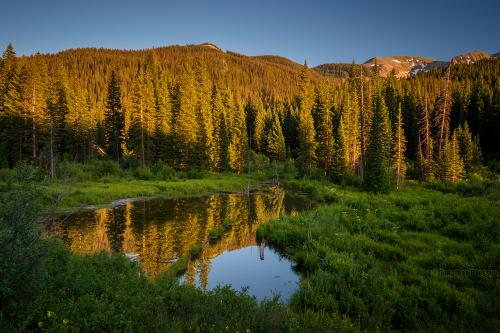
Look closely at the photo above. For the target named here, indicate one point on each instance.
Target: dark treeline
(198, 107)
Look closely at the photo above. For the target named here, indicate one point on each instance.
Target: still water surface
(161, 230)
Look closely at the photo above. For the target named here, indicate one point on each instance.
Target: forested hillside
(200, 107)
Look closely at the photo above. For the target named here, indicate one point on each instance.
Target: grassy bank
(425, 258)
(80, 193)
(99, 183)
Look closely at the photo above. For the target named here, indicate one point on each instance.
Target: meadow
(422, 258)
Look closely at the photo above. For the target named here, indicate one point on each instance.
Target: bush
(101, 168)
(20, 248)
(143, 174)
(163, 171)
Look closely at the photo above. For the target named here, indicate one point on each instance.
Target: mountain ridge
(404, 65)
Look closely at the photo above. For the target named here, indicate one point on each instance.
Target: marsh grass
(382, 260)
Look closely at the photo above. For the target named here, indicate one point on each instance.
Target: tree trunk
(362, 134)
(52, 162)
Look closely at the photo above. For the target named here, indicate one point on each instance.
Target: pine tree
(479, 105)
(340, 161)
(306, 93)
(11, 106)
(452, 164)
(306, 160)
(163, 118)
(378, 155)
(114, 121)
(425, 144)
(399, 164)
(204, 116)
(256, 125)
(186, 127)
(324, 126)
(238, 140)
(142, 123)
(491, 124)
(219, 131)
(78, 123)
(442, 115)
(351, 125)
(391, 98)
(276, 141)
(57, 109)
(35, 103)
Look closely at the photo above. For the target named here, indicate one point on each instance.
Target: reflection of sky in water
(243, 268)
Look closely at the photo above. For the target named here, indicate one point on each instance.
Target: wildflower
(65, 321)
(50, 313)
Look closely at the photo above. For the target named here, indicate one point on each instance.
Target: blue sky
(319, 31)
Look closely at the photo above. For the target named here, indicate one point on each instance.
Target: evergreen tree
(378, 155)
(79, 123)
(391, 98)
(442, 114)
(276, 141)
(256, 125)
(306, 160)
(238, 140)
(35, 103)
(399, 164)
(219, 136)
(351, 125)
(324, 126)
(452, 163)
(114, 121)
(57, 109)
(491, 125)
(478, 105)
(425, 144)
(11, 106)
(306, 93)
(340, 161)
(186, 127)
(163, 118)
(204, 116)
(142, 123)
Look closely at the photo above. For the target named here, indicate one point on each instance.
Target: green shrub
(101, 168)
(143, 174)
(162, 171)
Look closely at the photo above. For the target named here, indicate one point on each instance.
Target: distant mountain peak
(470, 58)
(402, 65)
(211, 46)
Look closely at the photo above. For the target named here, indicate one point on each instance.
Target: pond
(158, 231)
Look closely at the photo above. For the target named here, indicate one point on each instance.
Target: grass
(417, 259)
(77, 194)
(424, 258)
(99, 183)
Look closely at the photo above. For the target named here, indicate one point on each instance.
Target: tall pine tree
(114, 121)
(378, 155)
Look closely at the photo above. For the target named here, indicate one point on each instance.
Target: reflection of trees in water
(162, 230)
(115, 228)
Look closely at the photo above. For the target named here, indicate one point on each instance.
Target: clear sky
(319, 31)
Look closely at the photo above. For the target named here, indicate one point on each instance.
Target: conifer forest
(188, 188)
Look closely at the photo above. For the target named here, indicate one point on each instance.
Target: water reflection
(245, 268)
(161, 230)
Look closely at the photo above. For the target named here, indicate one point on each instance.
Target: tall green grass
(418, 259)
